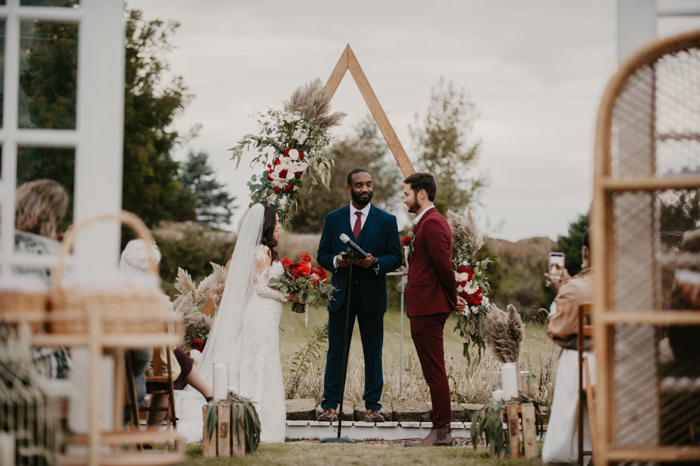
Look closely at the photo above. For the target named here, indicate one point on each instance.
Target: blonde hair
(40, 206)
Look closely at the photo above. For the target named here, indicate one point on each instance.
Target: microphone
(358, 250)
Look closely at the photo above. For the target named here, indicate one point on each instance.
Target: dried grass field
(468, 383)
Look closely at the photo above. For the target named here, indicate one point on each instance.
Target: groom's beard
(413, 207)
(363, 198)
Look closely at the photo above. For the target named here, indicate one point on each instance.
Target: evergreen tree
(443, 148)
(364, 148)
(151, 187)
(214, 205)
(572, 243)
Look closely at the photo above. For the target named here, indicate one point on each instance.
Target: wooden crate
(222, 442)
(520, 420)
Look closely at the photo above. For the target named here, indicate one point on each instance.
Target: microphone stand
(346, 349)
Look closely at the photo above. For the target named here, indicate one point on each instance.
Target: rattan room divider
(646, 206)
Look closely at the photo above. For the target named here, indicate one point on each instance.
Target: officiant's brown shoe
(436, 438)
(373, 416)
(329, 414)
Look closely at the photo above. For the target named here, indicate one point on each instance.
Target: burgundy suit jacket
(431, 287)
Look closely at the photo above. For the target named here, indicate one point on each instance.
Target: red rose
(302, 269)
(405, 240)
(278, 190)
(321, 273)
(286, 152)
(197, 344)
(299, 173)
(463, 284)
(286, 262)
(462, 269)
(277, 162)
(301, 156)
(289, 188)
(475, 298)
(269, 178)
(283, 174)
(269, 167)
(306, 257)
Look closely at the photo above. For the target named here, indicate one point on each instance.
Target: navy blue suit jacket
(379, 237)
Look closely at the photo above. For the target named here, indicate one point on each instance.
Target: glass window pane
(48, 72)
(68, 3)
(35, 163)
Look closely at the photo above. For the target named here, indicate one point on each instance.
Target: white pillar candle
(7, 448)
(220, 381)
(509, 374)
(498, 395)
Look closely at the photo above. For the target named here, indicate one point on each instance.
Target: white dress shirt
(353, 218)
(363, 217)
(417, 219)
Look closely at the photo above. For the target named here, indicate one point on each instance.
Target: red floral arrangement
(305, 282)
(197, 344)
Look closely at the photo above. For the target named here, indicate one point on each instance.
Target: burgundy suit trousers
(427, 334)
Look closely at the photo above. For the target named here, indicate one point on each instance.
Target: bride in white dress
(245, 332)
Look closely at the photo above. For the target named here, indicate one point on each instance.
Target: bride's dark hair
(268, 232)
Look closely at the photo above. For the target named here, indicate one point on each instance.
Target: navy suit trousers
(372, 336)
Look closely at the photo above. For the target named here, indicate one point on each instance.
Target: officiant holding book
(376, 232)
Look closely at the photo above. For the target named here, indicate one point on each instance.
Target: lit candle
(498, 395)
(220, 381)
(509, 373)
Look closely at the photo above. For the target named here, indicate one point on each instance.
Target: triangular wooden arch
(348, 61)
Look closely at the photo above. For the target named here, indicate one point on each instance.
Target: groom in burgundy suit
(431, 295)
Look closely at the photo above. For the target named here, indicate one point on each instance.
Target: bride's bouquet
(306, 283)
(290, 146)
(472, 282)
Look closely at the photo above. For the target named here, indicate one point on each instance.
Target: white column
(100, 123)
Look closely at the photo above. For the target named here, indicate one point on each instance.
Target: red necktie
(358, 225)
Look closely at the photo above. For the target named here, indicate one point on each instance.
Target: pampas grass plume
(504, 332)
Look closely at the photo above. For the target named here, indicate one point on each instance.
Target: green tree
(214, 205)
(444, 149)
(572, 243)
(151, 187)
(364, 148)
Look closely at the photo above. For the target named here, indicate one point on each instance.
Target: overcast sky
(536, 71)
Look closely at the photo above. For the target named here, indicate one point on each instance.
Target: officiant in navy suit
(376, 232)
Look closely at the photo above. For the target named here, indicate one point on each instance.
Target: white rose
(485, 301)
(471, 287)
(475, 310)
(294, 154)
(460, 289)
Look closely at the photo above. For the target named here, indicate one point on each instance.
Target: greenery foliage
(301, 361)
(488, 422)
(572, 243)
(441, 142)
(213, 204)
(192, 253)
(151, 187)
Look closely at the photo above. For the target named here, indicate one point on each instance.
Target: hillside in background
(523, 264)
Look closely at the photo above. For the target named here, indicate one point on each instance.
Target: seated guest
(561, 442)
(40, 206)
(135, 258)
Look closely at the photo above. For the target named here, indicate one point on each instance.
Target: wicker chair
(646, 194)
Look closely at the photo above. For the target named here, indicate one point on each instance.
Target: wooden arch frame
(604, 316)
(348, 62)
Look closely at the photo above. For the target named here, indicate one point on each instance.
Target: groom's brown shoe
(329, 414)
(373, 416)
(437, 437)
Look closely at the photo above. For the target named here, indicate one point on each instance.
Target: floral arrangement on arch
(301, 279)
(472, 281)
(290, 145)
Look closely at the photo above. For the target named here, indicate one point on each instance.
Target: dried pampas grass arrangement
(464, 228)
(192, 298)
(313, 101)
(504, 332)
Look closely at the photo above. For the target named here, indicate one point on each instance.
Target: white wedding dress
(256, 358)
(255, 370)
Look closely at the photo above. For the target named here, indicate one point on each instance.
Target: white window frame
(97, 138)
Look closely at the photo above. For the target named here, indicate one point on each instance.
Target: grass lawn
(340, 455)
(468, 383)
